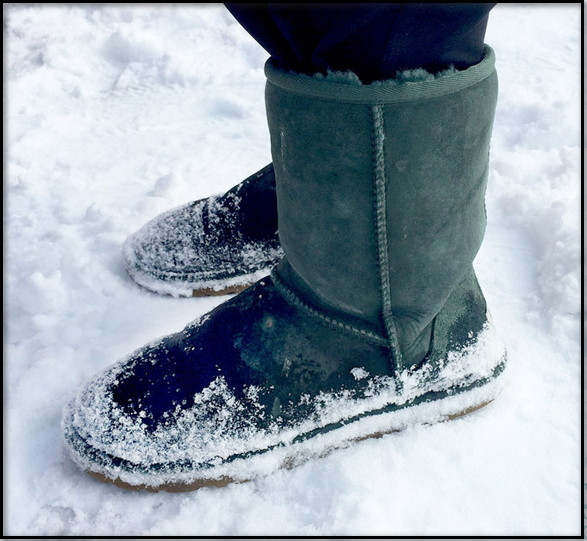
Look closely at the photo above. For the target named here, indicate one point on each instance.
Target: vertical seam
(381, 233)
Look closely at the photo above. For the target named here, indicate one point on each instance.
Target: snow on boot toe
(217, 245)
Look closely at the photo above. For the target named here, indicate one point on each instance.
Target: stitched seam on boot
(329, 321)
(381, 233)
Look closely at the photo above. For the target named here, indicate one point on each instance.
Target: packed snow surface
(115, 114)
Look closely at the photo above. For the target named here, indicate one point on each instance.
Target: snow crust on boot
(372, 321)
(218, 245)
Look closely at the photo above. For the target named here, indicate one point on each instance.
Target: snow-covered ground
(115, 114)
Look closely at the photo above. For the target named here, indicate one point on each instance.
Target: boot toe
(191, 249)
(146, 422)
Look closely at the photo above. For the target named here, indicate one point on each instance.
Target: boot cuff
(380, 92)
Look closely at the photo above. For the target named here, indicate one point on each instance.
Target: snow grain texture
(117, 113)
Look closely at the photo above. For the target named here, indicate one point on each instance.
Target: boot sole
(210, 292)
(288, 462)
(205, 288)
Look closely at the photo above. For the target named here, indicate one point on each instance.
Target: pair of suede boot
(362, 316)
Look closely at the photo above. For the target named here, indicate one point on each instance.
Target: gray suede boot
(372, 321)
(213, 246)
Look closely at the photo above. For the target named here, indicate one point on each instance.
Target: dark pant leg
(372, 40)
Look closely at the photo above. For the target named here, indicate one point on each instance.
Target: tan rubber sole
(210, 292)
(224, 481)
(200, 483)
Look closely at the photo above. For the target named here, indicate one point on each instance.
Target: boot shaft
(380, 192)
